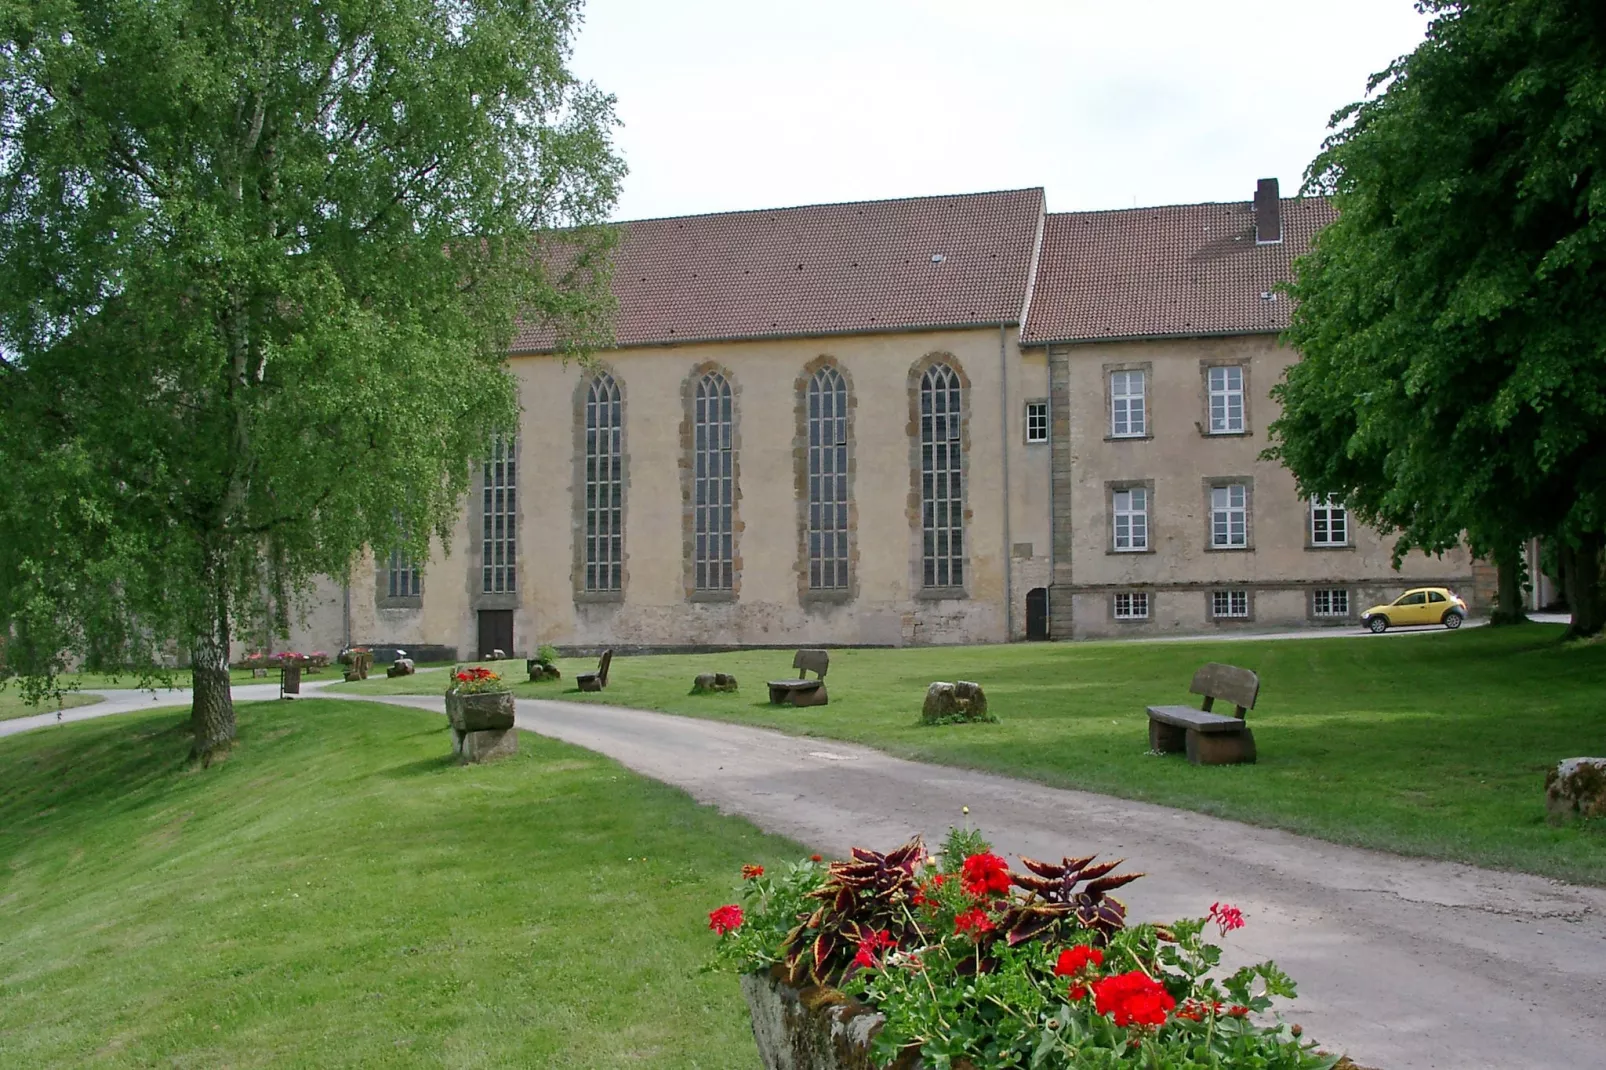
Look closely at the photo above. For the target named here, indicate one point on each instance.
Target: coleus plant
(865, 899)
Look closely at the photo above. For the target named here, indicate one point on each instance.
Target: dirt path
(1405, 964)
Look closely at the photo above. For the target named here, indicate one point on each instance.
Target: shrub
(547, 654)
(970, 960)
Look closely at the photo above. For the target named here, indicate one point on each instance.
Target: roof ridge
(835, 204)
(1191, 204)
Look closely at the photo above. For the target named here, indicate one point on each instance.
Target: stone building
(930, 420)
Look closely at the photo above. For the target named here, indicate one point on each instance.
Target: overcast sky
(731, 104)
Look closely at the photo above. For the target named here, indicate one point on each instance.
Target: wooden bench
(596, 681)
(1209, 738)
(803, 691)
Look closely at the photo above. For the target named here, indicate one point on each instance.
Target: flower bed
(970, 963)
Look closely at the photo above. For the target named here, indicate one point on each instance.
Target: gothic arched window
(942, 499)
(713, 485)
(828, 480)
(605, 486)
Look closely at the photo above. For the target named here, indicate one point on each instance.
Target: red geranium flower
(1132, 998)
(1073, 960)
(974, 921)
(725, 919)
(984, 873)
(1226, 917)
(1078, 991)
(815, 858)
(750, 872)
(1195, 1010)
(868, 947)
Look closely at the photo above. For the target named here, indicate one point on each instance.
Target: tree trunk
(1582, 575)
(1508, 607)
(212, 705)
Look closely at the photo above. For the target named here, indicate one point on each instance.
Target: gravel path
(1403, 963)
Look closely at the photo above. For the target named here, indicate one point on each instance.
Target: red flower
(868, 947)
(974, 921)
(1227, 917)
(726, 919)
(462, 677)
(1132, 998)
(1073, 960)
(1238, 1011)
(1195, 1010)
(1078, 991)
(750, 872)
(815, 858)
(984, 873)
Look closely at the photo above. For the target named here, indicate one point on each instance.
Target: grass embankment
(1433, 744)
(11, 704)
(337, 893)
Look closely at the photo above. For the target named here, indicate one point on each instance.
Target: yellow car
(1419, 605)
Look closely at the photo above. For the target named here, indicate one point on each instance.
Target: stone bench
(803, 691)
(596, 681)
(1206, 737)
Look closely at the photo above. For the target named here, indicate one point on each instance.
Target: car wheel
(1452, 620)
(1379, 625)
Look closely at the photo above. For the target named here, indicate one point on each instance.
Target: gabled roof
(822, 269)
(1176, 271)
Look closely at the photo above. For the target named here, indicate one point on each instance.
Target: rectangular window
(1330, 603)
(498, 512)
(1037, 421)
(1329, 523)
(713, 486)
(1226, 604)
(1229, 516)
(605, 487)
(942, 497)
(1128, 418)
(1132, 605)
(1130, 510)
(1226, 400)
(827, 401)
(403, 577)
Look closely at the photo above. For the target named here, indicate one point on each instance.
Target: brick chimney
(1268, 213)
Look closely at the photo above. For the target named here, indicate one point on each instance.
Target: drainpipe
(1053, 444)
(345, 614)
(1003, 420)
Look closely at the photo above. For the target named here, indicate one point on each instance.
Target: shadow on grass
(422, 767)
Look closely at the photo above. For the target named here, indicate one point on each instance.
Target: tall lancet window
(828, 480)
(713, 485)
(498, 513)
(942, 498)
(605, 487)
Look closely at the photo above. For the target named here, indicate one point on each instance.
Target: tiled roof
(823, 269)
(1182, 270)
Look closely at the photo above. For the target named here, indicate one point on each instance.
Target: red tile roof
(822, 269)
(1181, 270)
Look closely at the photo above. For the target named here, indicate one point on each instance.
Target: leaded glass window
(605, 487)
(403, 576)
(498, 513)
(713, 486)
(828, 480)
(942, 499)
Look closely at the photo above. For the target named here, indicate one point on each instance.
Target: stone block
(708, 683)
(1576, 788)
(811, 1028)
(401, 667)
(481, 712)
(484, 746)
(961, 701)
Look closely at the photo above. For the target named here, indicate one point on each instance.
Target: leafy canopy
(260, 263)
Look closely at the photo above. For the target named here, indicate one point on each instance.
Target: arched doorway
(1037, 613)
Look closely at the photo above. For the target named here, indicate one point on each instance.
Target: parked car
(1419, 605)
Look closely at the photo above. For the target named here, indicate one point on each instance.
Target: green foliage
(1452, 321)
(547, 654)
(260, 264)
(933, 962)
(960, 844)
(870, 893)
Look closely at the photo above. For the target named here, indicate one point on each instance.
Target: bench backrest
(1238, 686)
(815, 661)
(602, 667)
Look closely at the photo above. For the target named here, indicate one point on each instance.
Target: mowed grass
(12, 705)
(337, 893)
(1432, 744)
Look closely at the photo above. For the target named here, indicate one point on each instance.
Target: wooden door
(496, 632)
(1037, 613)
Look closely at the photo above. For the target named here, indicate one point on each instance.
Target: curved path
(1405, 964)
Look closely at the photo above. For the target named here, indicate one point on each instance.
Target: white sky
(731, 104)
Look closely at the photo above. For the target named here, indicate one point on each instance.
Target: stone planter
(814, 1028)
(482, 725)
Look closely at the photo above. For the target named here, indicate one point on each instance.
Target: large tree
(260, 262)
(1452, 321)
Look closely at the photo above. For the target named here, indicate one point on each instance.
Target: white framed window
(1332, 602)
(827, 406)
(1037, 421)
(1132, 605)
(942, 497)
(1229, 516)
(604, 487)
(1128, 412)
(1329, 523)
(404, 580)
(713, 485)
(1226, 389)
(499, 516)
(1129, 510)
(1228, 604)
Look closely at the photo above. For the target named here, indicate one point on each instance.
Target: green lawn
(337, 893)
(99, 681)
(1433, 744)
(11, 704)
